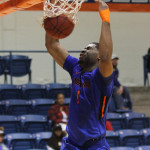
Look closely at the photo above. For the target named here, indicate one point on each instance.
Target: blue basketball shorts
(91, 145)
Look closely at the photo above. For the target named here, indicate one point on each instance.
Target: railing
(34, 51)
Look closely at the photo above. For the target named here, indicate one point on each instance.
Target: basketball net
(69, 8)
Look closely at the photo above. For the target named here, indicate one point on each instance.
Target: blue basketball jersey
(89, 102)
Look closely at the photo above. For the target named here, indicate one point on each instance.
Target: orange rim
(115, 7)
(37, 5)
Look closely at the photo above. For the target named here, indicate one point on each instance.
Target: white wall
(130, 31)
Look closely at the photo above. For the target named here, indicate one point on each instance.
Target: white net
(69, 8)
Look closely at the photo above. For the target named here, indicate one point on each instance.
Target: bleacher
(24, 110)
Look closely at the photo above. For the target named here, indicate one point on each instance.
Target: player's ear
(98, 59)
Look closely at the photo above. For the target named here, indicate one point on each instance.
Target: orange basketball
(58, 27)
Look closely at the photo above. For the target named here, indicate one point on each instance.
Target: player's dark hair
(97, 45)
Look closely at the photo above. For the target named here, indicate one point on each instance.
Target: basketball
(58, 27)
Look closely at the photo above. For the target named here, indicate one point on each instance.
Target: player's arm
(56, 50)
(106, 45)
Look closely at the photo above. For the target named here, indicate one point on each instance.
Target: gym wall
(130, 32)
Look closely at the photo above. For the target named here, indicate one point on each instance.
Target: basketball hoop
(69, 8)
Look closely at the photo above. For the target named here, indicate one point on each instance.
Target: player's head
(60, 98)
(115, 59)
(90, 55)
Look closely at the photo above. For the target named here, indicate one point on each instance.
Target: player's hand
(120, 90)
(102, 5)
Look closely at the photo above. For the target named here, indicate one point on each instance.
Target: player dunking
(92, 84)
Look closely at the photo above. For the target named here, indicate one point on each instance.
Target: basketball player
(92, 85)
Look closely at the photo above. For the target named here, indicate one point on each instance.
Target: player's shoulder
(103, 80)
(71, 58)
(95, 72)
